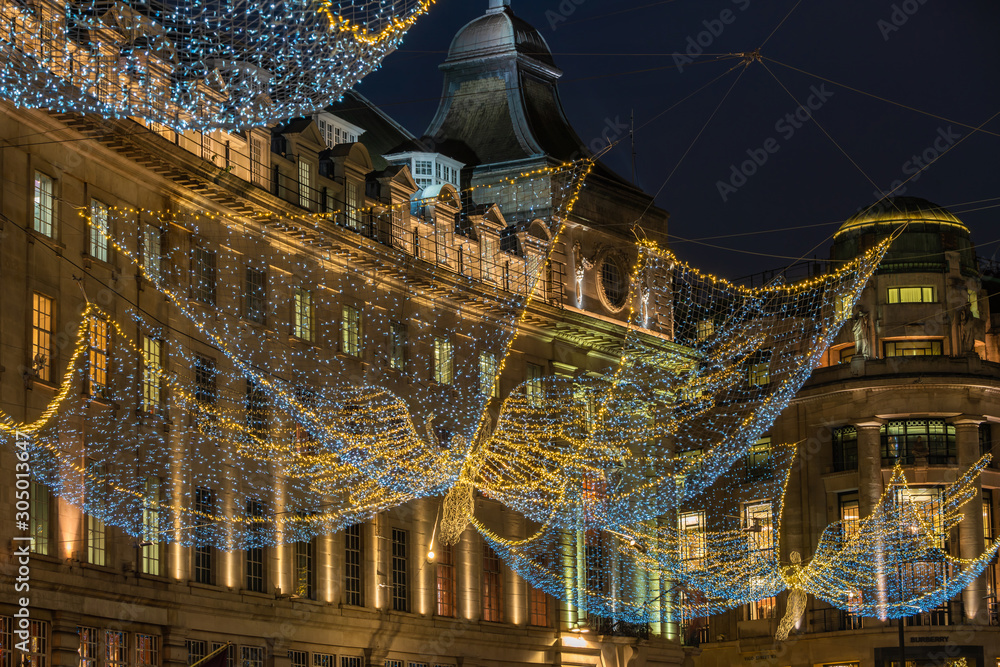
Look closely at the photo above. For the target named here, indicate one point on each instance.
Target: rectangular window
(100, 344)
(534, 390)
(96, 537)
(538, 607)
(845, 448)
(7, 641)
(759, 458)
(40, 526)
(152, 252)
(353, 581)
(196, 650)
(115, 648)
(492, 586)
(230, 653)
(850, 514)
(151, 527)
(42, 325)
(444, 361)
(691, 526)
(254, 554)
(351, 661)
(397, 346)
(298, 658)
(917, 294)
(255, 296)
(204, 276)
(207, 151)
(258, 168)
(324, 660)
(304, 574)
(304, 184)
(303, 325)
(424, 168)
(37, 654)
(488, 380)
(204, 380)
(445, 582)
(89, 656)
(98, 231)
(913, 348)
(350, 331)
(400, 571)
(757, 522)
(759, 371)
(393, 663)
(987, 516)
(251, 656)
(928, 507)
(43, 219)
(762, 609)
(353, 206)
(842, 306)
(147, 650)
(257, 413)
(152, 376)
(925, 440)
(204, 553)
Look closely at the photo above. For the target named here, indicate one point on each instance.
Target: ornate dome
(499, 32)
(901, 210)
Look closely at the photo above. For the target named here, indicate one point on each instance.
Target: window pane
(43, 219)
(42, 324)
(98, 227)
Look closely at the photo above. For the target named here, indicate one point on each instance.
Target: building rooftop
(901, 210)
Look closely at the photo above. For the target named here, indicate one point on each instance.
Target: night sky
(936, 56)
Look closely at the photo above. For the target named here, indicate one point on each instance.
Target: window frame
(98, 246)
(350, 331)
(43, 212)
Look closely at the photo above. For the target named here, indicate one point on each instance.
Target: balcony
(610, 627)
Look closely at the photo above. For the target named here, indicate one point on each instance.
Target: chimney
(498, 6)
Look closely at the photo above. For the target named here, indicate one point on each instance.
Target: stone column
(65, 639)
(869, 464)
(970, 530)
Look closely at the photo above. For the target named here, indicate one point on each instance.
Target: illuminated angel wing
(896, 563)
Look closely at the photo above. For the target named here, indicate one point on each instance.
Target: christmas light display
(229, 64)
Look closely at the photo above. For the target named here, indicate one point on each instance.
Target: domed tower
(926, 298)
(501, 115)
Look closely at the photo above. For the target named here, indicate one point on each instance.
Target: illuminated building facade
(926, 393)
(341, 199)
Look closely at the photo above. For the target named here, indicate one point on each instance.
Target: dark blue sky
(937, 56)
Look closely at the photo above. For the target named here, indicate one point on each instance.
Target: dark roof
(499, 32)
(382, 135)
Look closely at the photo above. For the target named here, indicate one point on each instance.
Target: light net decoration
(325, 412)
(706, 366)
(196, 64)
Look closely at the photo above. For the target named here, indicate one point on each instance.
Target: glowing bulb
(430, 555)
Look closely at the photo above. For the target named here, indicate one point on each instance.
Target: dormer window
(429, 168)
(337, 130)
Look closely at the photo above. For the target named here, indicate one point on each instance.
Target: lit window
(533, 384)
(757, 523)
(906, 440)
(492, 586)
(152, 375)
(151, 527)
(538, 607)
(43, 219)
(100, 342)
(925, 505)
(353, 206)
(850, 514)
(88, 647)
(255, 296)
(913, 348)
(207, 151)
(42, 324)
(258, 167)
(987, 516)
(98, 227)
(759, 457)
(204, 554)
(96, 537)
(304, 583)
(397, 346)
(350, 331)
(488, 380)
(34, 639)
(303, 324)
(705, 329)
(400, 571)
(254, 555)
(204, 276)
(353, 592)
(444, 361)
(762, 609)
(304, 184)
(147, 650)
(842, 306)
(917, 294)
(691, 526)
(115, 648)
(152, 246)
(759, 371)
(445, 581)
(40, 526)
